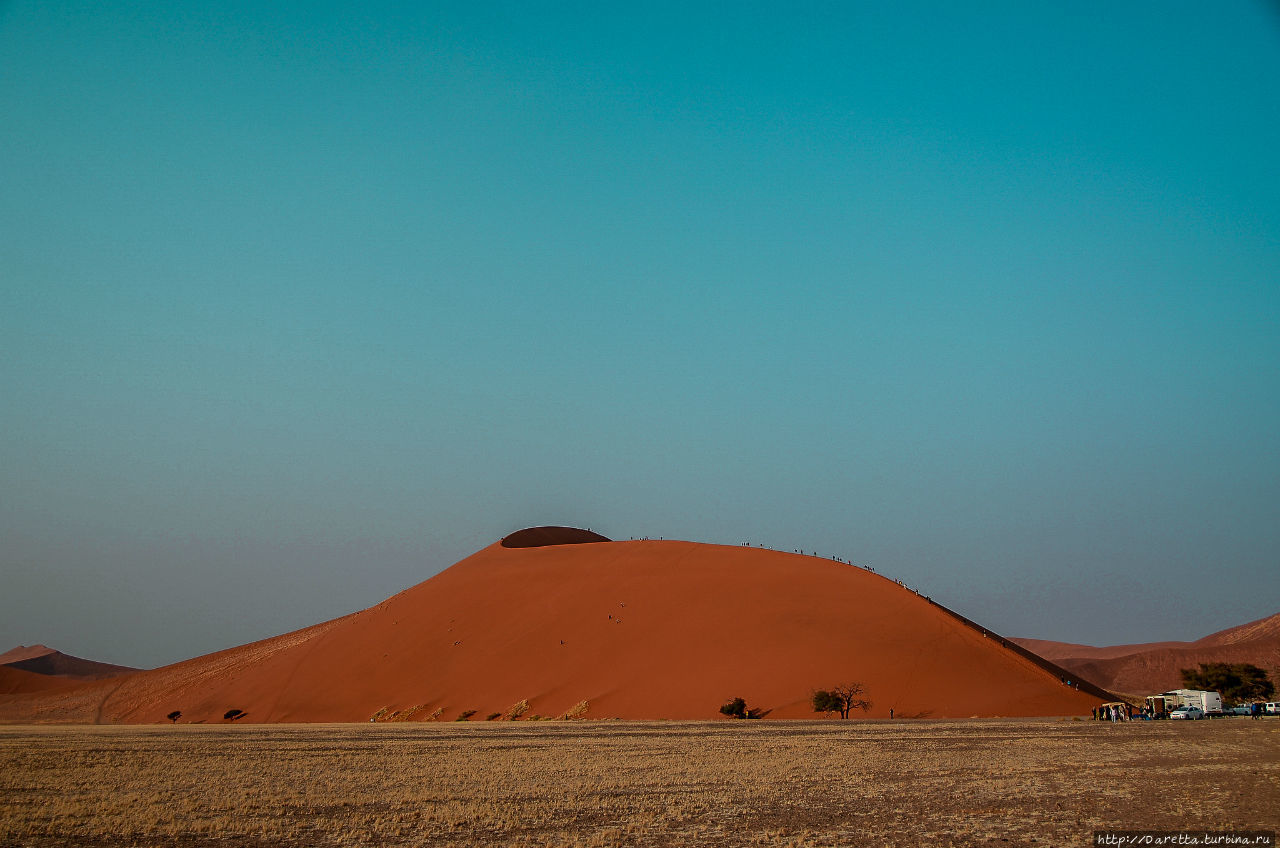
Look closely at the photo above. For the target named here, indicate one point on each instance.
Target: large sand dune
(639, 629)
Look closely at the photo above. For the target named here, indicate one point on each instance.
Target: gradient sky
(302, 303)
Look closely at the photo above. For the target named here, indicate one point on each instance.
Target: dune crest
(537, 537)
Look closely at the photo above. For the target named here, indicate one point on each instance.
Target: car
(1240, 709)
(1271, 708)
(1189, 713)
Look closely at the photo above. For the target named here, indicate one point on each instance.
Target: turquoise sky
(301, 303)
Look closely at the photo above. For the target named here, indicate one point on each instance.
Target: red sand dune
(24, 652)
(43, 660)
(640, 629)
(15, 681)
(1157, 666)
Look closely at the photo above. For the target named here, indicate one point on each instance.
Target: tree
(841, 699)
(1237, 682)
(174, 716)
(824, 702)
(232, 715)
(736, 708)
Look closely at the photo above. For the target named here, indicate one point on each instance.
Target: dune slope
(48, 662)
(642, 629)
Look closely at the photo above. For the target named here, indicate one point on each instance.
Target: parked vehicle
(1271, 708)
(1210, 703)
(1187, 713)
(1240, 709)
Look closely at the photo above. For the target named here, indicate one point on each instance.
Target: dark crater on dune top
(539, 537)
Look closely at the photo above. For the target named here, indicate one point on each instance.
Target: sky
(302, 303)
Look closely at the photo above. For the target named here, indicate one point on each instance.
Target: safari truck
(1166, 702)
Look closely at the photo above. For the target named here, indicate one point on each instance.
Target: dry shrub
(578, 710)
(407, 715)
(628, 783)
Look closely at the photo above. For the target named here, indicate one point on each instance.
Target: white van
(1209, 702)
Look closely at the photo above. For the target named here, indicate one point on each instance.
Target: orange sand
(15, 681)
(643, 629)
(24, 652)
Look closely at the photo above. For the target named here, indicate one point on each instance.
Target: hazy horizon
(302, 303)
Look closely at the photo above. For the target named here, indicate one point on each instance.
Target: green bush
(1238, 683)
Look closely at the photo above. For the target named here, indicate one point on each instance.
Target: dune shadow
(539, 537)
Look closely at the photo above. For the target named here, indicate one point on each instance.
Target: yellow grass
(615, 784)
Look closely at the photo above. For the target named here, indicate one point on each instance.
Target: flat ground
(978, 782)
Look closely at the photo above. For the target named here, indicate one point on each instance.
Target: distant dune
(1157, 666)
(557, 621)
(24, 652)
(45, 661)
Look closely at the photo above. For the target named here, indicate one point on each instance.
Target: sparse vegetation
(408, 714)
(465, 715)
(577, 711)
(516, 710)
(174, 716)
(492, 716)
(626, 784)
(840, 699)
(388, 714)
(1238, 683)
(232, 715)
(734, 708)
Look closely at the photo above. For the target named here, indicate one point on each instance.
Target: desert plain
(587, 783)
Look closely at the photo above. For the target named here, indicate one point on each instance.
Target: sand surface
(635, 630)
(15, 681)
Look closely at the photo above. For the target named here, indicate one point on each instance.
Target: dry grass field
(935, 783)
